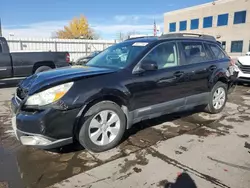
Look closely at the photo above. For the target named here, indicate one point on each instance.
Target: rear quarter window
(217, 52)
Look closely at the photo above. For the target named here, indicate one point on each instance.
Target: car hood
(244, 60)
(54, 77)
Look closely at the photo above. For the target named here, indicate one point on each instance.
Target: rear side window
(194, 52)
(1, 50)
(217, 52)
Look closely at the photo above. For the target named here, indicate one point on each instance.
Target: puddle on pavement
(31, 167)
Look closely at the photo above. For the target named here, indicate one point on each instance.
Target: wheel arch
(123, 103)
(50, 64)
(220, 76)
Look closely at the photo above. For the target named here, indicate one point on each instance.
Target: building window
(183, 25)
(224, 44)
(237, 46)
(172, 27)
(222, 20)
(208, 22)
(194, 24)
(240, 17)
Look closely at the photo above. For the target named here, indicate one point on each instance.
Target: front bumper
(45, 129)
(242, 77)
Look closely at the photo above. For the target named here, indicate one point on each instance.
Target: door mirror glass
(149, 65)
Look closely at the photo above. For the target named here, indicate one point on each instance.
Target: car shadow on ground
(182, 181)
(75, 147)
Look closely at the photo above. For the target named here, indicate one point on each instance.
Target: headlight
(49, 96)
(238, 63)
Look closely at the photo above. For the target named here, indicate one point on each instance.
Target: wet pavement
(22, 166)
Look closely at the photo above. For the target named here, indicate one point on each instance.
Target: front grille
(244, 68)
(21, 93)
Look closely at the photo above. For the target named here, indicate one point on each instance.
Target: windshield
(119, 55)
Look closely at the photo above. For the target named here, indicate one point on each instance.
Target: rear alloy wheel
(102, 127)
(217, 98)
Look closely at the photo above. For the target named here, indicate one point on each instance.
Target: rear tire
(42, 69)
(95, 133)
(217, 98)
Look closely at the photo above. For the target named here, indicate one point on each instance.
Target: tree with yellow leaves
(78, 28)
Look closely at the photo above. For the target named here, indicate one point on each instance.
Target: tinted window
(217, 52)
(172, 27)
(222, 20)
(194, 24)
(194, 52)
(165, 55)
(236, 46)
(240, 17)
(207, 22)
(1, 48)
(183, 25)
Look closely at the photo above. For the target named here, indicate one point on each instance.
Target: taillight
(67, 57)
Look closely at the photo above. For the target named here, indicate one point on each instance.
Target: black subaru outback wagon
(132, 81)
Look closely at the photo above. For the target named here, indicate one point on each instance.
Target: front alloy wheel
(104, 127)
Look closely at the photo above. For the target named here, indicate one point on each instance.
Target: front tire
(103, 127)
(217, 98)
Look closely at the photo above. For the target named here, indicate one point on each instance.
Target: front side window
(194, 24)
(119, 55)
(208, 22)
(217, 52)
(183, 25)
(237, 46)
(165, 55)
(172, 27)
(240, 17)
(222, 20)
(194, 52)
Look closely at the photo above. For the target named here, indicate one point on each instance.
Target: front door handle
(178, 74)
(212, 67)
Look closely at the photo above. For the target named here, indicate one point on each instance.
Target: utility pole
(1, 34)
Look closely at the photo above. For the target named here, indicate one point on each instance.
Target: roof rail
(179, 35)
(140, 37)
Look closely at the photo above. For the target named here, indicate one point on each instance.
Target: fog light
(34, 140)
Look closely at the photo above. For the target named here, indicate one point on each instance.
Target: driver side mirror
(149, 65)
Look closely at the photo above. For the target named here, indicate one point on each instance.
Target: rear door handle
(212, 68)
(178, 74)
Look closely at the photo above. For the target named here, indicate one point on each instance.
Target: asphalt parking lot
(208, 148)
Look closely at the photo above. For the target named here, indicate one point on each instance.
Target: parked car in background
(95, 104)
(243, 65)
(84, 60)
(23, 64)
